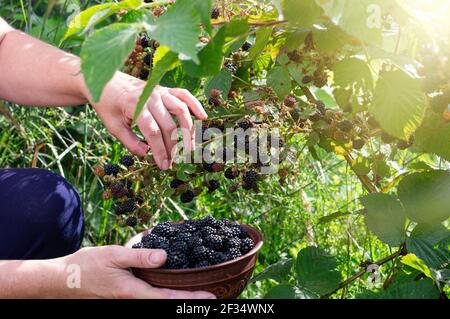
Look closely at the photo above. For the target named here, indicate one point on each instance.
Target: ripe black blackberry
(250, 178)
(165, 229)
(231, 67)
(111, 169)
(131, 221)
(345, 126)
(179, 245)
(176, 260)
(358, 143)
(225, 231)
(138, 245)
(160, 243)
(215, 13)
(148, 239)
(144, 74)
(145, 41)
(247, 244)
(127, 160)
(233, 253)
(187, 196)
(246, 46)
(233, 242)
(239, 231)
(202, 264)
(245, 124)
(206, 221)
(231, 172)
(175, 183)
(199, 253)
(213, 185)
(186, 228)
(182, 235)
(117, 189)
(207, 231)
(148, 59)
(125, 207)
(194, 241)
(218, 258)
(208, 167)
(214, 242)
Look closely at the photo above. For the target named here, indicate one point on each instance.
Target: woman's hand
(105, 274)
(117, 107)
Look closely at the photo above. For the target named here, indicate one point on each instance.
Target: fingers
(127, 137)
(194, 105)
(181, 111)
(138, 258)
(165, 123)
(138, 289)
(182, 294)
(153, 135)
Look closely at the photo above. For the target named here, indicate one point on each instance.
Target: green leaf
(221, 81)
(385, 218)
(398, 104)
(204, 8)
(412, 261)
(178, 29)
(434, 257)
(262, 37)
(361, 166)
(279, 271)
(164, 65)
(350, 71)
(104, 52)
(422, 289)
(177, 78)
(381, 168)
(434, 136)
(316, 270)
(426, 196)
(280, 81)
(331, 39)
(211, 58)
(281, 292)
(301, 13)
(430, 233)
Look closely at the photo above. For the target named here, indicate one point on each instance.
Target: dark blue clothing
(41, 215)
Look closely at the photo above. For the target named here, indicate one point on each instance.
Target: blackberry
(250, 178)
(233, 253)
(231, 67)
(218, 258)
(165, 229)
(99, 171)
(214, 242)
(290, 101)
(181, 246)
(213, 101)
(145, 41)
(117, 189)
(206, 221)
(233, 188)
(218, 167)
(160, 243)
(138, 245)
(175, 183)
(176, 260)
(345, 126)
(129, 206)
(208, 167)
(183, 236)
(202, 264)
(148, 59)
(358, 143)
(111, 169)
(148, 239)
(246, 46)
(186, 228)
(231, 172)
(207, 231)
(239, 231)
(131, 221)
(225, 232)
(247, 244)
(233, 242)
(200, 253)
(307, 79)
(194, 241)
(144, 74)
(213, 185)
(215, 13)
(245, 124)
(187, 196)
(127, 160)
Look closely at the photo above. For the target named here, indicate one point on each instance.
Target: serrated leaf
(164, 65)
(280, 81)
(422, 289)
(352, 70)
(330, 39)
(281, 292)
(398, 104)
(385, 218)
(204, 8)
(434, 257)
(177, 78)
(381, 168)
(301, 13)
(426, 196)
(433, 136)
(221, 81)
(103, 53)
(412, 261)
(430, 233)
(178, 29)
(279, 271)
(361, 166)
(316, 270)
(262, 37)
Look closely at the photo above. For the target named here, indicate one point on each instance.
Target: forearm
(35, 73)
(32, 278)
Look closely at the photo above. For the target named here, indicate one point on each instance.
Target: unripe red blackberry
(106, 195)
(232, 95)
(99, 171)
(290, 101)
(215, 93)
(213, 101)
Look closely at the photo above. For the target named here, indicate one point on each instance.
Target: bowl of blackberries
(215, 255)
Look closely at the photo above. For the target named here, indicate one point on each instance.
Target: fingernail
(165, 165)
(156, 257)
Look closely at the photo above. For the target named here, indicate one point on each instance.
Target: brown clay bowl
(226, 280)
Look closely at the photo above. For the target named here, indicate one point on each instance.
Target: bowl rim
(252, 252)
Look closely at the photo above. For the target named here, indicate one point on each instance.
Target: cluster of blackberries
(198, 243)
